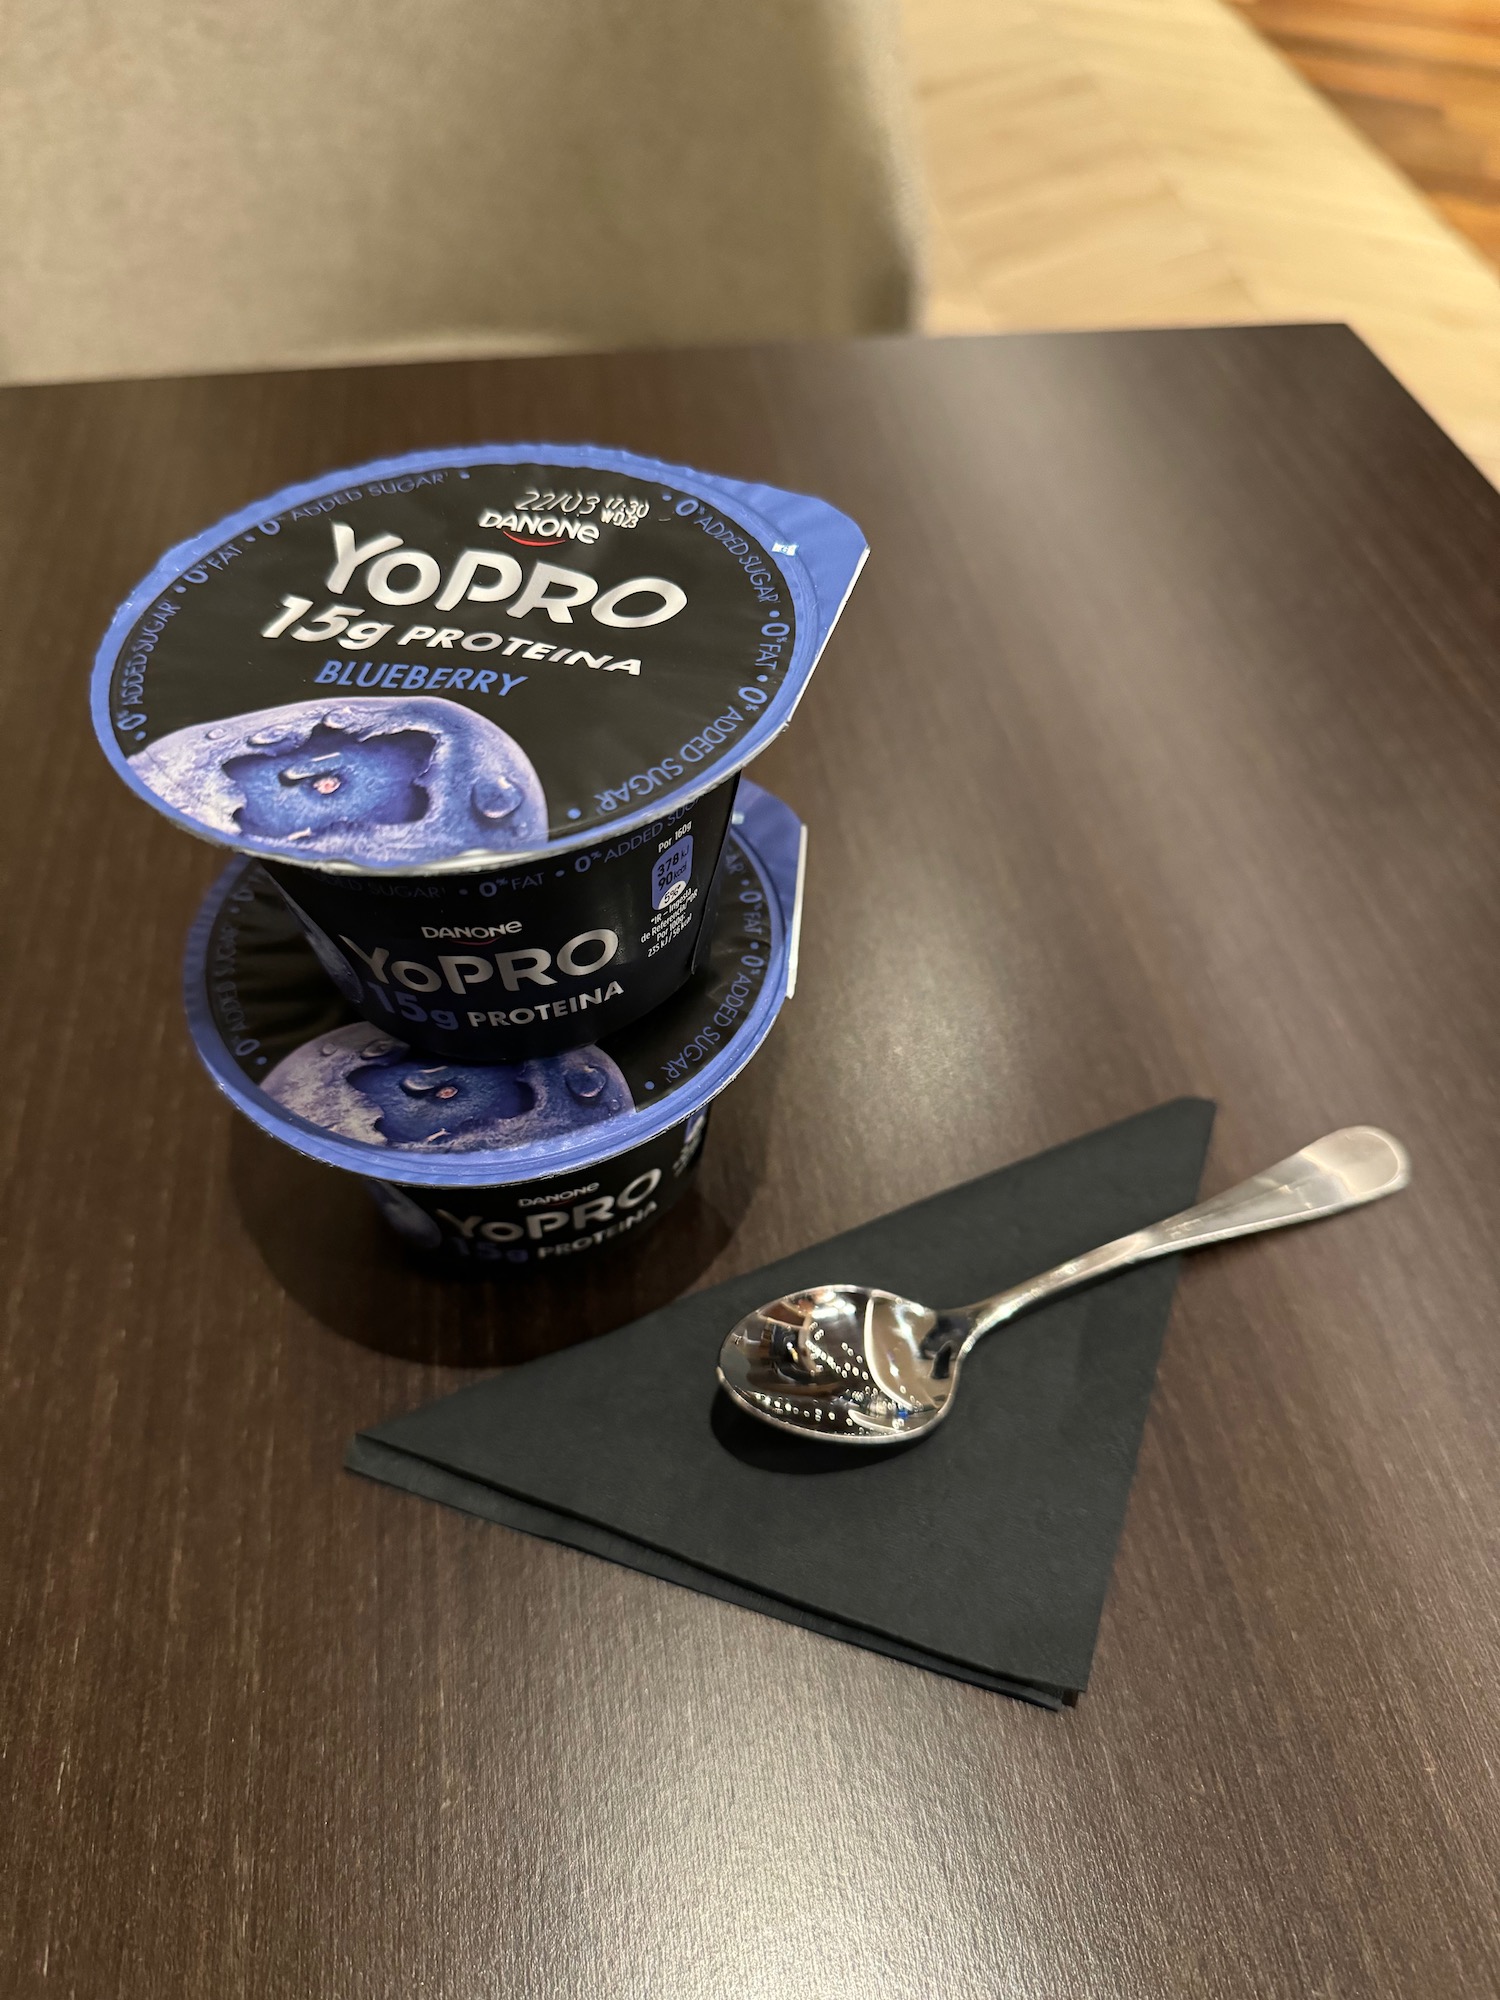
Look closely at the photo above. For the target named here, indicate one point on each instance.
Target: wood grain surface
(1158, 752)
(1421, 79)
(1113, 163)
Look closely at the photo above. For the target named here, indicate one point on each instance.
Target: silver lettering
(463, 1228)
(568, 959)
(461, 973)
(518, 965)
(636, 1192)
(672, 596)
(348, 555)
(376, 964)
(461, 584)
(573, 588)
(378, 578)
(546, 1220)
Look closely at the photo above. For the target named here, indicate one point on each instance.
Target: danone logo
(540, 531)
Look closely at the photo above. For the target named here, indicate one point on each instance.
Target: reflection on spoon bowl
(842, 1361)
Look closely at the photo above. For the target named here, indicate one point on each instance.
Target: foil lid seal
(458, 658)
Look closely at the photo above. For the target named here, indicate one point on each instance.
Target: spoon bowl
(848, 1362)
(857, 1365)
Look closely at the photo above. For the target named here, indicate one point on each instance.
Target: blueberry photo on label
(365, 1085)
(386, 782)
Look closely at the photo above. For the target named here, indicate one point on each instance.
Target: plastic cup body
(505, 964)
(496, 1169)
(500, 1232)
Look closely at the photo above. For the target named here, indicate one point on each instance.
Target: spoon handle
(1355, 1165)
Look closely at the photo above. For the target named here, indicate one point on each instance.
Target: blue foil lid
(457, 658)
(280, 1043)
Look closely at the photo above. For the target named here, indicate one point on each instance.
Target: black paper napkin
(983, 1551)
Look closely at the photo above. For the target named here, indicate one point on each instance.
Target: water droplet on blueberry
(495, 798)
(429, 1082)
(587, 1082)
(320, 770)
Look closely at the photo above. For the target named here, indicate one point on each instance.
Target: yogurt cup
(481, 714)
(494, 1168)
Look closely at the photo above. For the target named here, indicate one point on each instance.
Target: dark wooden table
(1159, 751)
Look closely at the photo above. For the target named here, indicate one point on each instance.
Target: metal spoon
(855, 1365)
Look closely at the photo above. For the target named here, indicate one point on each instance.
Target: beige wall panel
(202, 184)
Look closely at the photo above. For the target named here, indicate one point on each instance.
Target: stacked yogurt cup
(505, 916)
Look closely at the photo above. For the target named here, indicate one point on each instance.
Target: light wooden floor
(1421, 78)
(1154, 162)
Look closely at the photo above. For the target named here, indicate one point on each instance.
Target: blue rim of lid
(820, 583)
(776, 842)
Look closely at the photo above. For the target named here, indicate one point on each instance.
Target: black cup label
(509, 963)
(490, 1231)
